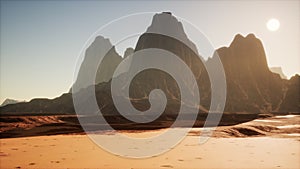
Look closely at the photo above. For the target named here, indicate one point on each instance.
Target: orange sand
(78, 151)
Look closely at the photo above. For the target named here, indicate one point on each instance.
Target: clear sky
(41, 40)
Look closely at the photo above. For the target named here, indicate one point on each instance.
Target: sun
(273, 24)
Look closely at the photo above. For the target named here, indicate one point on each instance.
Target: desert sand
(263, 143)
(78, 151)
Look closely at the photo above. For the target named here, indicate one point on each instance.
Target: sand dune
(37, 125)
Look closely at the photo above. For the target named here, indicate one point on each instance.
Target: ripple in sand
(267, 121)
(288, 126)
(287, 116)
(2, 154)
(191, 144)
(55, 161)
(293, 134)
(167, 166)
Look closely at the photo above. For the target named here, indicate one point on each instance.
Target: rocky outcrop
(279, 71)
(251, 86)
(291, 100)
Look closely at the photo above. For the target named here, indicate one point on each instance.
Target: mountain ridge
(251, 86)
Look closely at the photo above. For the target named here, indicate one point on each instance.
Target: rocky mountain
(167, 33)
(100, 47)
(41, 106)
(291, 96)
(279, 71)
(128, 51)
(251, 86)
(10, 101)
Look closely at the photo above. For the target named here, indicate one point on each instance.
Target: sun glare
(273, 24)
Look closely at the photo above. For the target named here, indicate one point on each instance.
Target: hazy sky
(41, 40)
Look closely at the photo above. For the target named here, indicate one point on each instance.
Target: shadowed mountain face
(291, 101)
(251, 86)
(148, 80)
(167, 33)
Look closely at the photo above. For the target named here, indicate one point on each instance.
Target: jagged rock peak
(170, 13)
(251, 35)
(90, 71)
(166, 24)
(245, 53)
(295, 78)
(99, 37)
(248, 46)
(98, 46)
(240, 38)
(102, 42)
(128, 52)
(279, 71)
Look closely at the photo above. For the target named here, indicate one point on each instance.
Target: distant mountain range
(251, 86)
(10, 101)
